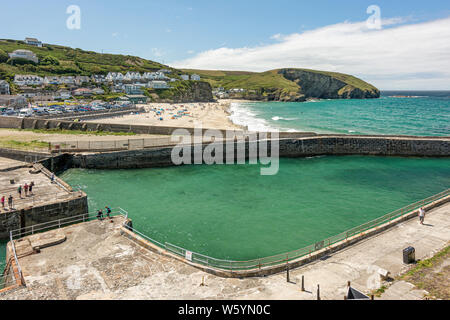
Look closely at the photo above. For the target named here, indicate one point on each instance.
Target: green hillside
(278, 85)
(270, 79)
(60, 60)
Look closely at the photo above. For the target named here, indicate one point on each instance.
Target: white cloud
(399, 56)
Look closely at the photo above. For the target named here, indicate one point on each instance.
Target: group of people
(25, 190)
(108, 214)
(10, 202)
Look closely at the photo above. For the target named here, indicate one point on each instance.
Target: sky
(409, 49)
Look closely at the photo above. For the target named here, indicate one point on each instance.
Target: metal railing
(59, 223)
(8, 278)
(121, 145)
(284, 258)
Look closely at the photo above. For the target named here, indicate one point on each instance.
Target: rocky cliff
(183, 92)
(288, 84)
(329, 85)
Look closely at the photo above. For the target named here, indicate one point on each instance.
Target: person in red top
(25, 187)
(3, 202)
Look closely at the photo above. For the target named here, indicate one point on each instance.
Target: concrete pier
(96, 262)
(49, 201)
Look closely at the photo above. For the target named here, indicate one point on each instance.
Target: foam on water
(243, 116)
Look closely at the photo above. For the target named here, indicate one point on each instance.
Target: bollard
(303, 283)
(318, 292)
(203, 282)
(287, 274)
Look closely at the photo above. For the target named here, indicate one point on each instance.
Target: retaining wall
(13, 220)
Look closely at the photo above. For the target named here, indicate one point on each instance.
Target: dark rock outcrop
(326, 86)
(193, 91)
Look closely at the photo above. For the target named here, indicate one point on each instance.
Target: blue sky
(174, 32)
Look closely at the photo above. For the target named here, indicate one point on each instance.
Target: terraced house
(28, 80)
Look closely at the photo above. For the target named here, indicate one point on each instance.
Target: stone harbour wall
(304, 147)
(60, 209)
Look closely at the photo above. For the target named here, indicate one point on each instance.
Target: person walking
(100, 215)
(31, 187)
(421, 215)
(25, 188)
(2, 200)
(19, 191)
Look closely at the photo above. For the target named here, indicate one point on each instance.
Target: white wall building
(33, 42)
(4, 87)
(51, 80)
(28, 80)
(157, 84)
(195, 77)
(184, 77)
(24, 54)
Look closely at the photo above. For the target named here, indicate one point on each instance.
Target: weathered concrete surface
(96, 262)
(402, 290)
(49, 201)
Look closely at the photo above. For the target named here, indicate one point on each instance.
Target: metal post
(318, 292)
(287, 274)
(303, 283)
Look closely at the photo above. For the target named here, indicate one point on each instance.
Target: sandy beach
(214, 115)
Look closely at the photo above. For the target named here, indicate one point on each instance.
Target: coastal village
(38, 90)
(59, 247)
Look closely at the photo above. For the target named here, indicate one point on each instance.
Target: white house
(195, 77)
(4, 87)
(113, 76)
(155, 84)
(131, 76)
(98, 78)
(184, 77)
(98, 91)
(28, 80)
(133, 89)
(33, 42)
(67, 80)
(24, 54)
(52, 80)
(64, 94)
(79, 80)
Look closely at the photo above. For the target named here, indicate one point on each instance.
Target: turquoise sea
(424, 113)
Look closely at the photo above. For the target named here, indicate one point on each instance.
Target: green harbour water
(232, 212)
